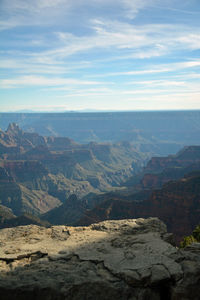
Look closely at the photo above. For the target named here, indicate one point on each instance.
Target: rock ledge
(125, 259)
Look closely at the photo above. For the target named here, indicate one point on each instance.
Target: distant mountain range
(159, 132)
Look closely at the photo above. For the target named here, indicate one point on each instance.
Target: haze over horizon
(99, 55)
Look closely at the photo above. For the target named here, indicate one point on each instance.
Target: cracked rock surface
(123, 259)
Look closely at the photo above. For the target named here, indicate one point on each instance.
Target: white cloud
(125, 40)
(139, 72)
(191, 40)
(21, 6)
(7, 24)
(164, 83)
(138, 89)
(43, 12)
(40, 66)
(189, 76)
(31, 13)
(133, 6)
(162, 68)
(43, 81)
(22, 66)
(113, 35)
(99, 38)
(176, 9)
(188, 64)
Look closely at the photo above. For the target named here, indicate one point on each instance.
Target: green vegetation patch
(194, 238)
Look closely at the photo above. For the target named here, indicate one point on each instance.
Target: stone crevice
(32, 256)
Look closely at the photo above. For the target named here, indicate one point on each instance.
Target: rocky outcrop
(101, 165)
(68, 213)
(153, 181)
(23, 171)
(37, 173)
(5, 214)
(24, 187)
(22, 220)
(177, 204)
(126, 259)
(187, 156)
(160, 170)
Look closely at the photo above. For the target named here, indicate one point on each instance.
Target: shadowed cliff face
(177, 203)
(23, 187)
(22, 171)
(126, 259)
(187, 156)
(160, 170)
(5, 214)
(170, 195)
(153, 181)
(67, 213)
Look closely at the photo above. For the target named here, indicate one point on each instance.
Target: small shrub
(194, 238)
(196, 233)
(187, 240)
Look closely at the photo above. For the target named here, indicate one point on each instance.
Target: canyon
(38, 173)
(54, 180)
(97, 220)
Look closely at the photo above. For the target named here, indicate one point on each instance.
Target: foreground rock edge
(118, 259)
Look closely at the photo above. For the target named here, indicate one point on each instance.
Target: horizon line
(94, 111)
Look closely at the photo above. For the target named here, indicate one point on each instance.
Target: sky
(69, 55)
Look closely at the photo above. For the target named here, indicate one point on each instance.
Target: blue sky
(58, 55)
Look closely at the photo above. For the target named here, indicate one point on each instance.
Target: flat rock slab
(124, 259)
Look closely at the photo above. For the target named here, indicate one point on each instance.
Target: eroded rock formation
(51, 169)
(126, 259)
